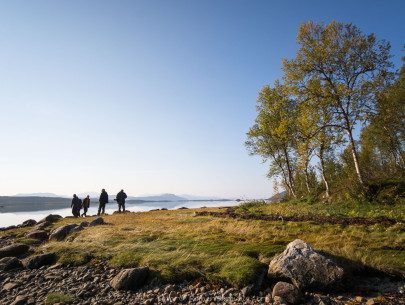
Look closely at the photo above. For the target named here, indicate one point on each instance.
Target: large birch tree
(341, 68)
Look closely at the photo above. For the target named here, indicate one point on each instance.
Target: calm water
(9, 219)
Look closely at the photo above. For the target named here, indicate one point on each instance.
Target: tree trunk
(307, 179)
(289, 171)
(355, 158)
(323, 173)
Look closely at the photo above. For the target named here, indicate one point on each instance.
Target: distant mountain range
(38, 195)
(95, 195)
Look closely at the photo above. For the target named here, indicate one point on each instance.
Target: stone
(20, 300)
(36, 262)
(130, 279)
(8, 263)
(305, 268)
(96, 222)
(13, 250)
(76, 229)
(29, 223)
(288, 292)
(246, 291)
(10, 286)
(50, 218)
(61, 232)
(84, 224)
(42, 225)
(37, 234)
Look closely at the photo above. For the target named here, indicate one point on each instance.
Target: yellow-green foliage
(176, 245)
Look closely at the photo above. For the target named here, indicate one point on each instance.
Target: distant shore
(13, 204)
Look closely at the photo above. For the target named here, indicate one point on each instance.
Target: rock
(280, 301)
(246, 291)
(29, 223)
(96, 222)
(36, 234)
(8, 263)
(130, 279)
(42, 225)
(307, 269)
(50, 218)
(288, 292)
(20, 300)
(76, 229)
(36, 262)
(10, 286)
(13, 250)
(84, 224)
(61, 232)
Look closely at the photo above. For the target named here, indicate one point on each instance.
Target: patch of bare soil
(301, 218)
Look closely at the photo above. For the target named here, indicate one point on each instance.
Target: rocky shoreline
(90, 284)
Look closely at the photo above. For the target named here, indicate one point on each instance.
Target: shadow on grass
(354, 268)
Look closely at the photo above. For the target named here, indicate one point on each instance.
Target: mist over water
(9, 219)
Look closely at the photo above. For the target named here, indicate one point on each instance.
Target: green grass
(308, 206)
(58, 298)
(178, 246)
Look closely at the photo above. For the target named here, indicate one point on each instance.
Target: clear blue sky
(150, 96)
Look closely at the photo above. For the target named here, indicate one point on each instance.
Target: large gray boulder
(61, 232)
(305, 268)
(130, 279)
(38, 261)
(13, 250)
(7, 263)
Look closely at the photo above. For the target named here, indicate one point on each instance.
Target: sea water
(16, 218)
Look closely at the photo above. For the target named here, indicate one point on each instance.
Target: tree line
(336, 117)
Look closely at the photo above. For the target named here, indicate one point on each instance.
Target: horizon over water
(16, 218)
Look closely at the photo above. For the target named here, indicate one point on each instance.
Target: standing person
(121, 196)
(102, 200)
(74, 205)
(86, 205)
(78, 207)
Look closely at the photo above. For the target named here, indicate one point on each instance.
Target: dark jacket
(86, 203)
(75, 202)
(103, 198)
(121, 196)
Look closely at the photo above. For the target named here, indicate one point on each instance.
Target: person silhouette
(121, 196)
(102, 202)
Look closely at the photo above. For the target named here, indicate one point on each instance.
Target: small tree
(273, 135)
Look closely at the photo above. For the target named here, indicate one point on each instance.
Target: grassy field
(178, 246)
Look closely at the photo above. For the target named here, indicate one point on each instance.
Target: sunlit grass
(178, 246)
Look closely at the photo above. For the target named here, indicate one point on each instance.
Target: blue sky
(150, 96)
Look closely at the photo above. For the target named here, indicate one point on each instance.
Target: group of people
(78, 204)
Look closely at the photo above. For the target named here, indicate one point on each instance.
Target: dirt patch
(301, 218)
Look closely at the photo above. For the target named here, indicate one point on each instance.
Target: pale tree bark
(325, 180)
